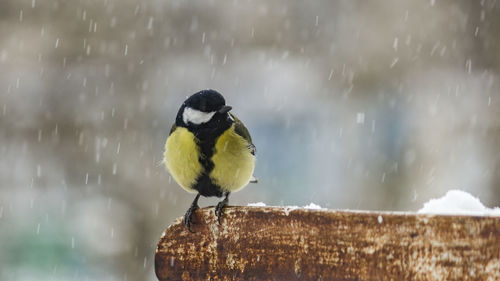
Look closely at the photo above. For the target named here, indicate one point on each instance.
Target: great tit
(209, 151)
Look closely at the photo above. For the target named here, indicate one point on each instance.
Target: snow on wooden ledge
(279, 243)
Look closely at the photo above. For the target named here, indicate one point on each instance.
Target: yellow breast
(233, 162)
(181, 158)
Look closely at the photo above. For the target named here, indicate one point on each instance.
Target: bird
(209, 151)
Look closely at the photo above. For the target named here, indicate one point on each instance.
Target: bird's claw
(219, 209)
(188, 217)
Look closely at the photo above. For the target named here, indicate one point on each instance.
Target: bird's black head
(206, 101)
(203, 110)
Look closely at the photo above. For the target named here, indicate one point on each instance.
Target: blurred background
(351, 104)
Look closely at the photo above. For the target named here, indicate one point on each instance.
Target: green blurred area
(351, 104)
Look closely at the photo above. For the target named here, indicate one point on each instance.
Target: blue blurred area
(282, 158)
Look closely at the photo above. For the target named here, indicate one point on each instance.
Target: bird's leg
(220, 206)
(190, 211)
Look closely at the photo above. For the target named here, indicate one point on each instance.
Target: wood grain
(273, 243)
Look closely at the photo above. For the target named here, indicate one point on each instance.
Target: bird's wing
(241, 130)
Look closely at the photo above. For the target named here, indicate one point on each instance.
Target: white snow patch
(258, 204)
(288, 209)
(380, 219)
(313, 207)
(457, 202)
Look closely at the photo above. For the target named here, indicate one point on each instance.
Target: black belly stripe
(206, 139)
(204, 184)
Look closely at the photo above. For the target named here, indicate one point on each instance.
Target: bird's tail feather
(253, 179)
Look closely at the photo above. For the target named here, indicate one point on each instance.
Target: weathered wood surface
(271, 243)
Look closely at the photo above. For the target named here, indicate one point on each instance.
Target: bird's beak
(225, 109)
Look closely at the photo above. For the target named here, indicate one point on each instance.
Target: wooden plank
(272, 243)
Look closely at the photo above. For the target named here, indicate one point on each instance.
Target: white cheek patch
(195, 116)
